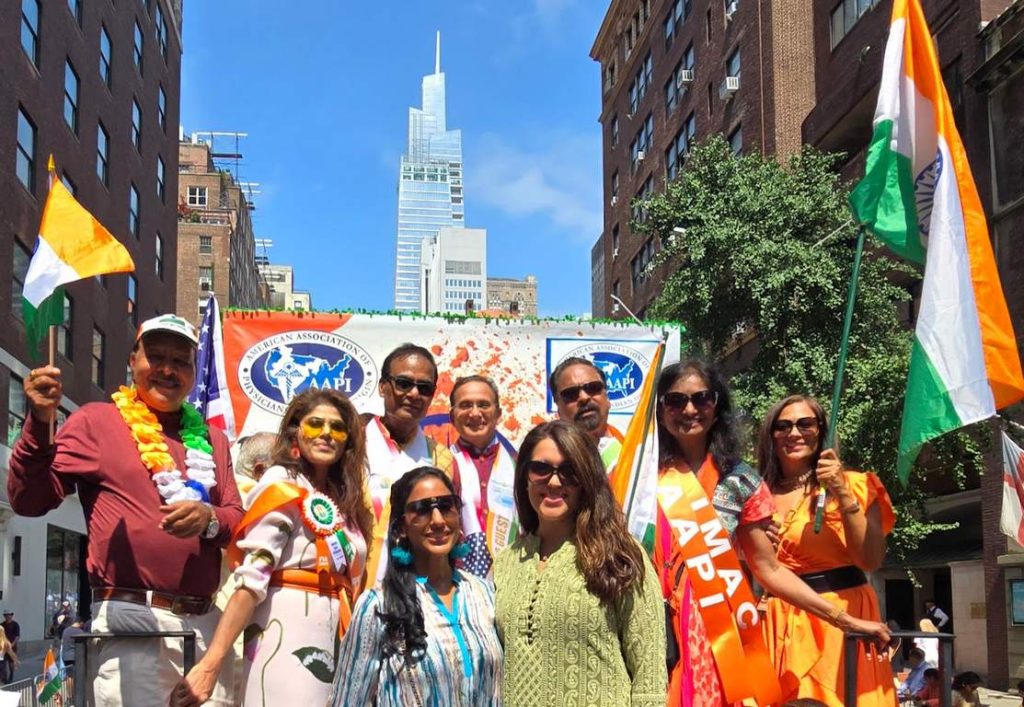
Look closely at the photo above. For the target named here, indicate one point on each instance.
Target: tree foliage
(766, 250)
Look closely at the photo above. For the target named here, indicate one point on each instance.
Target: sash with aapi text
(693, 547)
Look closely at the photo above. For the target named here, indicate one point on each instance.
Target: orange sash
(319, 583)
(702, 552)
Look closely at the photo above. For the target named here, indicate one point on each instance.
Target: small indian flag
(918, 196)
(50, 683)
(72, 246)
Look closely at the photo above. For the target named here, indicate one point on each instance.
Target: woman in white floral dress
(301, 557)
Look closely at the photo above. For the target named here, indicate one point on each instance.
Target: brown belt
(176, 604)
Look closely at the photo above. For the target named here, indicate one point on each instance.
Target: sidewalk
(31, 655)
(993, 698)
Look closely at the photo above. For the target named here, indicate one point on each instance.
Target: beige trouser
(138, 672)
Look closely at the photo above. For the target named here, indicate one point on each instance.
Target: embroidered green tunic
(563, 648)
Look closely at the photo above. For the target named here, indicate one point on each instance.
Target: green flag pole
(837, 389)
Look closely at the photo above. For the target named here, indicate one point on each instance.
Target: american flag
(210, 394)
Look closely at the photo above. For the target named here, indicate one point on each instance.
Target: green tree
(763, 251)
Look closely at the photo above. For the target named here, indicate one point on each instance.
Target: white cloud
(561, 181)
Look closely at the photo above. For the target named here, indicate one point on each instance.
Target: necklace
(147, 432)
(795, 483)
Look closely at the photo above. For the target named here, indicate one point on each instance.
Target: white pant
(139, 672)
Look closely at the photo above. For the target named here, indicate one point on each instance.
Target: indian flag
(72, 246)
(49, 685)
(918, 196)
(634, 480)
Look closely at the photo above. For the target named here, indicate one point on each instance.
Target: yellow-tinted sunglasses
(314, 427)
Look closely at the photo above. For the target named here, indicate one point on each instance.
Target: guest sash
(701, 553)
(501, 524)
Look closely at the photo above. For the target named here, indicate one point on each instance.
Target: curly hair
(767, 459)
(609, 559)
(401, 613)
(723, 441)
(345, 477)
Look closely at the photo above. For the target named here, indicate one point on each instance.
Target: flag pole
(837, 389)
(52, 352)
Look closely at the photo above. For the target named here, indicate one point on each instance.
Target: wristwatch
(213, 527)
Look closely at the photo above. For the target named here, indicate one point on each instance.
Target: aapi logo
(624, 368)
(280, 367)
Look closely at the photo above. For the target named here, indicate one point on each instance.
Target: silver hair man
(254, 454)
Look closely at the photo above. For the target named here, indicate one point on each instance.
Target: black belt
(835, 580)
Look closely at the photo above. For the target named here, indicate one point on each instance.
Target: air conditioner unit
(729, 86)
(640, 156)
(730, 9)
(615, 200)
(615, 252)
(684, 77)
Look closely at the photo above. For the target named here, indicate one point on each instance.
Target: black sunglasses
(701, 399)
(540, 473)
(569, 395)
(804, 424)
(424, 508)
(404, 384)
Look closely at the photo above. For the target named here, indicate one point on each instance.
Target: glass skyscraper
(429, 186)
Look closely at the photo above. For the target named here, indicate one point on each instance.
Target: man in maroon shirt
(484, 471)
(153, 565)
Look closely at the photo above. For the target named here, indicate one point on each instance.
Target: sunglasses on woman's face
(701, 400)
(314, 427)
(540, 473)
(423, 509)
(404, 384)
(804, 425)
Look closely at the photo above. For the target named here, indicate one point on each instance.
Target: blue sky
(323, 89)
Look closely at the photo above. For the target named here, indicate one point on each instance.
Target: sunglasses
(404, 384)
(570, 395)
(424, 508)
(804, 425)
(314, 427)
(539, 473)
(678, 401)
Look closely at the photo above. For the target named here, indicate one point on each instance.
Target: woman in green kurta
(578, 604)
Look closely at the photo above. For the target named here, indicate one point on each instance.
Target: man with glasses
(395, 443)
(484, 471)
(580, 390)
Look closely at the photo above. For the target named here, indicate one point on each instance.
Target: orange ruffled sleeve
(869, 490)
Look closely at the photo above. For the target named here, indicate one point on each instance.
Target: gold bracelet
(851, 509)
(833, 614)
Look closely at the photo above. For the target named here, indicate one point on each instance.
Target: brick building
(962, 570)
(674, 72)
(511, 296)
(216, 247)
(97, 86)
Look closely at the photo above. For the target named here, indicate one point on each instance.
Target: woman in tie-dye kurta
(426, 635)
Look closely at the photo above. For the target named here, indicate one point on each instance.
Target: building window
(609, 76)
(63, 577)
(159, 256)
(16, 408)
(64, 337)
(679, 82)
(677, 14)
(19, 268)
(205, 278)
(639, 264)
(133, 211)
(615, 185)
(136, 125)
(845, 16)
(30, 30)
(736, 140)
(615, 241)
(642, 142)
(160, 177)
(103, 155)
(161, 109)
(615, 130)
(707, 26)
(730, 7)
(638, 88)
(161, 30)
(133, 300)
(98, 345)
(137, 47)
(75, 6)
(205, 245)
(26, 159)
(67, 182)
(197, 196)
(732, 64)
(105, 53)
(679, 148)
(639, 206)
(71, 97)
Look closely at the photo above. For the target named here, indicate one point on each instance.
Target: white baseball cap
(172, 324)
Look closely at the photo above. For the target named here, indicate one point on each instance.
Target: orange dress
(808, 651)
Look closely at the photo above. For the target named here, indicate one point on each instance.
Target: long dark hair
(767, 458)
(723, 441)
(400, 610)
(607, 556)
(345, 478)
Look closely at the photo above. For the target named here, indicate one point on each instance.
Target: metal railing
(945, 666)
(29, 688)
(81, 649)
